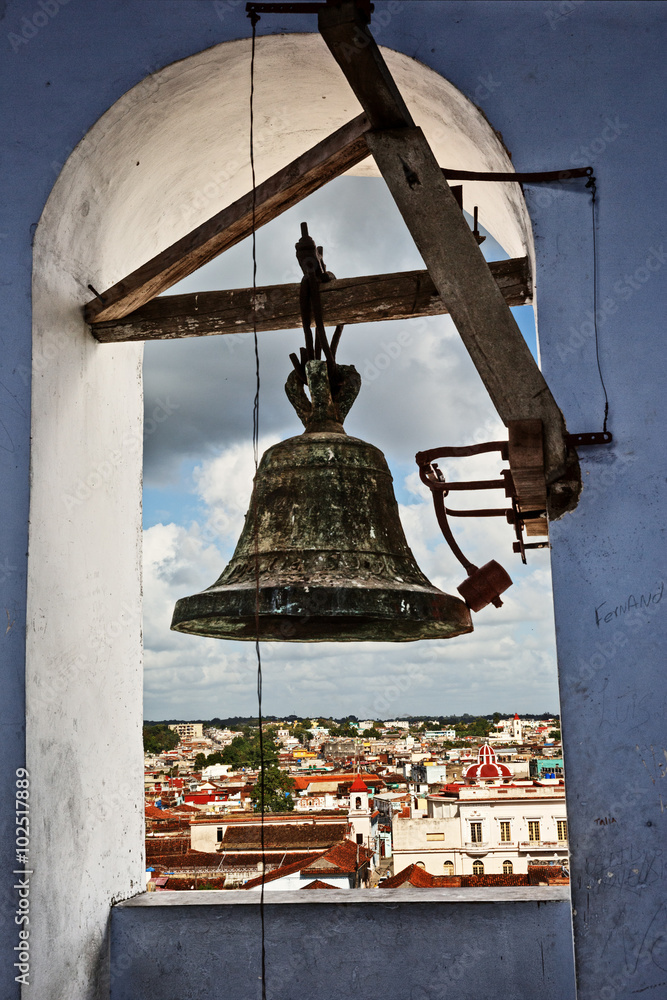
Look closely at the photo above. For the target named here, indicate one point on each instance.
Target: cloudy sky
(198, 477)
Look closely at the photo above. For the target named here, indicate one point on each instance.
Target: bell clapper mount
(525, 486)
(311, 262)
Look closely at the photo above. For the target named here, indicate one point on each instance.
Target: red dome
(487, 766)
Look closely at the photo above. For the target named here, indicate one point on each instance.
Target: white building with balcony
(487, 826)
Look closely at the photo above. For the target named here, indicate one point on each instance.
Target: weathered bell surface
(322, 556)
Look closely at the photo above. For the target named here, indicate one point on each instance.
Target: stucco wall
(566, 84)
(409, 944)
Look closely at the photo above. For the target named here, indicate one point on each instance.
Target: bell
(322, 556)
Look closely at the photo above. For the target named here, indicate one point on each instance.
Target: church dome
(487, 767)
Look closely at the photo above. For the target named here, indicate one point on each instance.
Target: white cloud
(506, 664)
(420, 390)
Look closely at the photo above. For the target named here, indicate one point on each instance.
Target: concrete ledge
(370, 897)
(398, 944)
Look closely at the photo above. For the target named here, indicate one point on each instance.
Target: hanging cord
(592, 185)
(254, 18)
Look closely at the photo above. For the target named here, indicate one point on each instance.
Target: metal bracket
(255, 9)
(591, 438)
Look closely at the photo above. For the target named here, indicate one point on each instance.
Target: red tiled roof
(152, 812)
(341, 859)
(304, 835)
(186, 860)
(296, 866)
(358, 785)
(212, 881)
(415, 877)
(246, 860)
(317, 884)
(302, 783)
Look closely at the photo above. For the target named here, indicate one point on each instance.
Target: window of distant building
(505, 831)
(219, 834)
(475, 833)
(508, 868)
(533, 830)
(478, 868)
(561, 826)
(448, 867)
(360, 838)
(420, 864)
(357, 802)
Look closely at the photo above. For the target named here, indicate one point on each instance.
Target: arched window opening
(508, 868)
(448, 867)
(357, 802)
(478, 868)
(197, 436)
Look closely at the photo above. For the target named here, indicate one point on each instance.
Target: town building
(546, 767)
(488, 825)
(192, 730)
(343, 866)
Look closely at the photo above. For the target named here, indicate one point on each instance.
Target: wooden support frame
(404, 295)
(450, 252)
(330, 158)
(461, 278)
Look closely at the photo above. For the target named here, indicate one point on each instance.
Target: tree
(554, 734)
(345, 729)
(481, 726)
(203, 760)
(244, 751)
(159, 738)
(277, 787)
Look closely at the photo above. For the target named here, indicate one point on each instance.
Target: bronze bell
(322, 556)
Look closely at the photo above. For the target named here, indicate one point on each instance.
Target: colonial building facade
(489, 825)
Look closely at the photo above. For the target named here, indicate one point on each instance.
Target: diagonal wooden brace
(451, 254)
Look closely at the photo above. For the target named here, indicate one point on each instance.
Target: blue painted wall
(567, 83)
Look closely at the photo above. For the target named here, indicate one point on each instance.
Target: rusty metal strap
(526, 177)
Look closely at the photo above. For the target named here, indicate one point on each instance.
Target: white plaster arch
(167, 155)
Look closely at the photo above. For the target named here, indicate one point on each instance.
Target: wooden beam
(450, 252)
(525, 450)
(328, 159)
(348, 300)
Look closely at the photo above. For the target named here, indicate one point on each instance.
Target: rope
(254, 18)
(593, 187)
